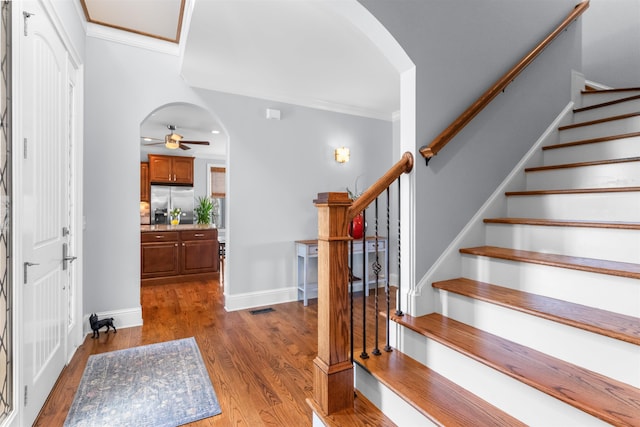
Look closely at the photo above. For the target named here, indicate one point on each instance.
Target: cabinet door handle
(175, 244)
(159, 237)
(174, 177)
(169, 177)
(198, 235)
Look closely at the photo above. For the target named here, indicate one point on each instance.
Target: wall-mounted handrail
(458, 124)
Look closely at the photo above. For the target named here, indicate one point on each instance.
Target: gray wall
(460, 48)
(611, 43)
(276, 169)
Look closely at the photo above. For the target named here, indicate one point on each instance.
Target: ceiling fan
(173, 140)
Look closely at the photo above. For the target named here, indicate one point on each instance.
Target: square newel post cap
(333, 198)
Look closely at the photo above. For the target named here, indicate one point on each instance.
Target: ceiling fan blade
(184, 147)
(154, 143)
(150, 138)
(195, 142)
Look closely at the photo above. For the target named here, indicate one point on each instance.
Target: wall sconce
(342, 155)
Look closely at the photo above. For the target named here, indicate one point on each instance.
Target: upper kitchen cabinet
(174, 170)
(144, 182)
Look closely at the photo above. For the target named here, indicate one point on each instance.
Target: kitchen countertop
(179, 227)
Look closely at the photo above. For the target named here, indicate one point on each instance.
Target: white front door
(45, 126)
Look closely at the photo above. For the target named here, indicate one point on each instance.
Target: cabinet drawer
(160, 236)
(371, 245)
(199, 234)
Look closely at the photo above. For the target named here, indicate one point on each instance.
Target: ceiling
(295, 51)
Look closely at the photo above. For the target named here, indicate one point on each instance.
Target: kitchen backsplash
(145, 213)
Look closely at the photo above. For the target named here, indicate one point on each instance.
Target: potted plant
(174, 216)
(203, 210)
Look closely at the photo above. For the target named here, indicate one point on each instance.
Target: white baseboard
(126, 318)
(260, 299)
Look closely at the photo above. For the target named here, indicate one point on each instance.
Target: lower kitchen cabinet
(179, 254)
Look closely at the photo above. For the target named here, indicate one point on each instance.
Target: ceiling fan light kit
(173, 141)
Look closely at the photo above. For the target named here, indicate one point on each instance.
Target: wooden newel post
(333, 370)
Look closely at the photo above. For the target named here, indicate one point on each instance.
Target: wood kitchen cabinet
(179, 255)
(145, 190)
(175, 170)
(159, 254)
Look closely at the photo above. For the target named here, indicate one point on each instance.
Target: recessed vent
(262, 310)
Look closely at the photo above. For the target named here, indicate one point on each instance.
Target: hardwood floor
(260, 365)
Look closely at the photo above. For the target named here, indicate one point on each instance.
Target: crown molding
(132, 39)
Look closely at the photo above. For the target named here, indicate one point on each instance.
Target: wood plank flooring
(260, 365)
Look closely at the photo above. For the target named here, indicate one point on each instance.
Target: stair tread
(363, 414)
(606, 104)
(565, 223)
(614, 268)
(610, 400)
(574, 191)
(607, 323)
(591, 141)
(433, 395)
(583, 164)
(598, 121)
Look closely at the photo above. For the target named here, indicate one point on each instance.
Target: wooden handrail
(404, 165)
(458, 124)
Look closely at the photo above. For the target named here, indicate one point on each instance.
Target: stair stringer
(423, 299)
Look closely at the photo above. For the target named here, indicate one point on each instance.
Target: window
(217, 193)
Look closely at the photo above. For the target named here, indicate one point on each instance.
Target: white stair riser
(600, 243)
(595, 176)
(525, 403)
(615, 127)
(614, 149)
(607, 292)
(589, 350)
(606, 206)
(392, 405)
(601, 97)
(608, 111)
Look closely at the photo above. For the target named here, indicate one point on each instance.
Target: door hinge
(24, 148)
(26, 15)
(25, 395)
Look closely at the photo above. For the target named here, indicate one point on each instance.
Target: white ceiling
(295, 51)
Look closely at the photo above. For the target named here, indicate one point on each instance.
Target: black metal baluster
(351, 292)
(387, 292)
(399, 291)
(364, 354)
(376, 270)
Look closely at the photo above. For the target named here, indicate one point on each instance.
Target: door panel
(45, 130)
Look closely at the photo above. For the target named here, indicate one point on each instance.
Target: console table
(307, 250)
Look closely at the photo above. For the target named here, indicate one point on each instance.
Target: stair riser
(392, 405)
(599, 130)
(600, 243)
(612, 293)
(599, 98)
(615, 149)
(608, 111)
(620, 206)
(514, 397)
(595, 176)
(583, 348)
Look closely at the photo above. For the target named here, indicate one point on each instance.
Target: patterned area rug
(159, 385)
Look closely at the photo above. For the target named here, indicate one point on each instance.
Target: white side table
(307, 250)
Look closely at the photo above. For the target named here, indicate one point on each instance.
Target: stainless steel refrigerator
(165, 198)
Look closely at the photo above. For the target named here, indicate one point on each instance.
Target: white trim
(259, 299)
(60, 30)
(597, 85)
(449, 262)
(131, 39)
(127, 318)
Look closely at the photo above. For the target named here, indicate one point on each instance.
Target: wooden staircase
(543, 325)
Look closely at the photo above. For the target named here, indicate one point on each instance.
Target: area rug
(159, 385)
